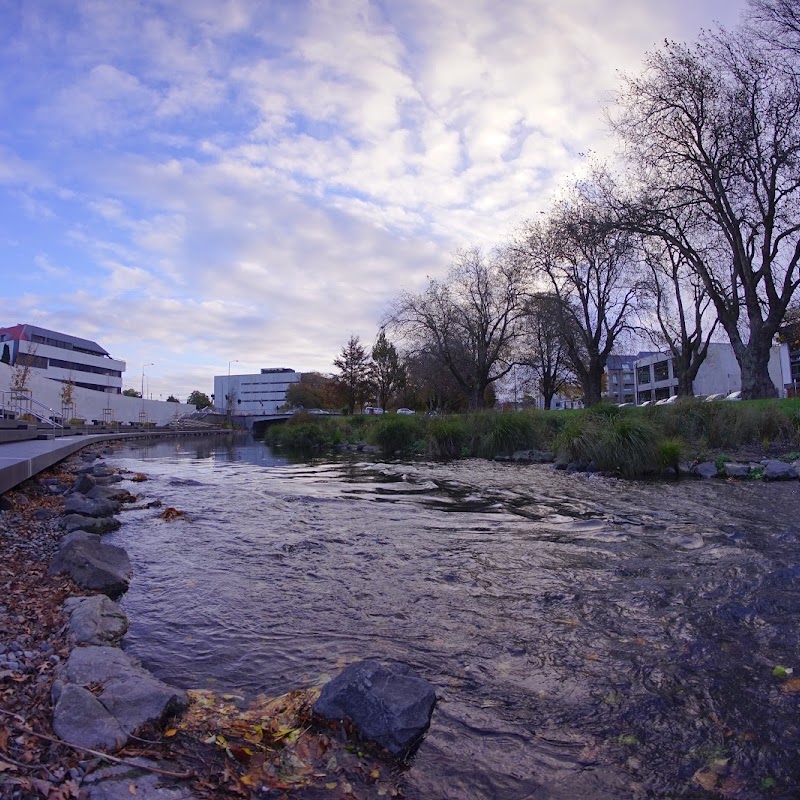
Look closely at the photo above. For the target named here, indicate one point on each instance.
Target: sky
(205, 185)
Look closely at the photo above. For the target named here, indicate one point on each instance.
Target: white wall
(90, 405)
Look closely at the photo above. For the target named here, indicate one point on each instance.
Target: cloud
(239, 179)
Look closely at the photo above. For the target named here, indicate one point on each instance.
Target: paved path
(22, 460)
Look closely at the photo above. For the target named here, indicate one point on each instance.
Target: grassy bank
(631, 441)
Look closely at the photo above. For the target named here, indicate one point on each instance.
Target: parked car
(405, 411)
(712, 397)
(734, 396)
(646, 403)
(372, 410)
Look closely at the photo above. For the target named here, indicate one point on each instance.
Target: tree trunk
(592, 385)
(754, 363)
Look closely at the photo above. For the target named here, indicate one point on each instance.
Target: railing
(20, 403)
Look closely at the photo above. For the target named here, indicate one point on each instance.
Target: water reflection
(588, 637)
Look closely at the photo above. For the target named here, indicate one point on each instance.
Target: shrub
(392, 433)
(670, 453)
(627, 445)
(447, 437)
(504, 433)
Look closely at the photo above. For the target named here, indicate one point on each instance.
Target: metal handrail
(20, 403)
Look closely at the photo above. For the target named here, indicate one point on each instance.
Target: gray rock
(779, 471)
(109, 480)
(95, 620)
(102, 470)
(139, 699)
(129, 693)
(83, 484)
(533, 457)
(97, 664)
(708, 469)
(115, 782)
(80, 718)
(80, 504)
(388, 704)
(98, 525)
(116, 494)
(92, 564)
(734, 470)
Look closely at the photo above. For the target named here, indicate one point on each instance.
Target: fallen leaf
(171, 732)
(792, 686)
(4, 766)
(132, 788)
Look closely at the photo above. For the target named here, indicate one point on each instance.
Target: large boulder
(736, 470)
(129, 693)
(779, 471)
(81, 719)
(708, 469)
(98, 525)
(92, 564)
(88, 507)
(95, 620)
(83, 483)
(387, 703)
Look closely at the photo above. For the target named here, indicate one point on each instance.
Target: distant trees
(315, 390)
(131, 393)
(354, 372)
(387, 373)
(469, 322)
(172, 399)
(541, 349)
(200, 400)
(589, 265)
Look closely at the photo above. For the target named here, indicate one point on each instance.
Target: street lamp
(143, 414)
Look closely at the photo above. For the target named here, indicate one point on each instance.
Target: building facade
(621, 377)
(718, 374)
(62, 357)
(253, 395)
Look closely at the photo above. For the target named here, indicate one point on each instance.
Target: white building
(253, 395)
(718, 374)
(62, 357)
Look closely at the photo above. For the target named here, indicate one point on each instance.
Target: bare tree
(713, 136)
(542, 348)
(776, 23)
(681, 310)
(469, 321)
(590, 265)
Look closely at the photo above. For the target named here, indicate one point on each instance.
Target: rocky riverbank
(79, 718)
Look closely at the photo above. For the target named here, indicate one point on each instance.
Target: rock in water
(388, 704)
(92, 564)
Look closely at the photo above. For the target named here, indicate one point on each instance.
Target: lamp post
(143, 415)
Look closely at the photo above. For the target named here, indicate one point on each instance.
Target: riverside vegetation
(628, 441)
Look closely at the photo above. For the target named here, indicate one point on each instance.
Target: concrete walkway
(22, 460)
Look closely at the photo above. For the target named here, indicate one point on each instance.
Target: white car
(646, 403)
(734, 396)
(712, 397)
(372, 410)
(667, 401)
(404, 411)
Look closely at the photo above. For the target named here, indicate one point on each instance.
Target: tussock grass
(496, 434)
(447, 437)
(394, 433)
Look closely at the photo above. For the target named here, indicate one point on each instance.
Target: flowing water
(588, 637)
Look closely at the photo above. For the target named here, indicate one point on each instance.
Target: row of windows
(55, 362)
(660, 372)
(35, 337)
(30, 360)
(266, 383)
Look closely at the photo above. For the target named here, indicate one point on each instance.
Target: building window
(643, 374)
(30, 360)
(661, 371)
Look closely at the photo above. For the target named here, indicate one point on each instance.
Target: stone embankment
(102, 700)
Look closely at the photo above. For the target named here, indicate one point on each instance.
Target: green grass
(628, 441)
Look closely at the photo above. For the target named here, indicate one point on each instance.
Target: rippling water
(588, 637)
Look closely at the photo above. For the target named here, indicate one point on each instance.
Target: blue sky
(195, 181)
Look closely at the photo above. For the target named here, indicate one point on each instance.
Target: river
(588, 637)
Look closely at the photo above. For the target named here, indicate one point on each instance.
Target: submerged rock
(114, 782)
(388, 704)
(98, 525)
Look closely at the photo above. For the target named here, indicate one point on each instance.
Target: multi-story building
(62, 357)
(253, 395)
(621, 377)
(656, 376)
